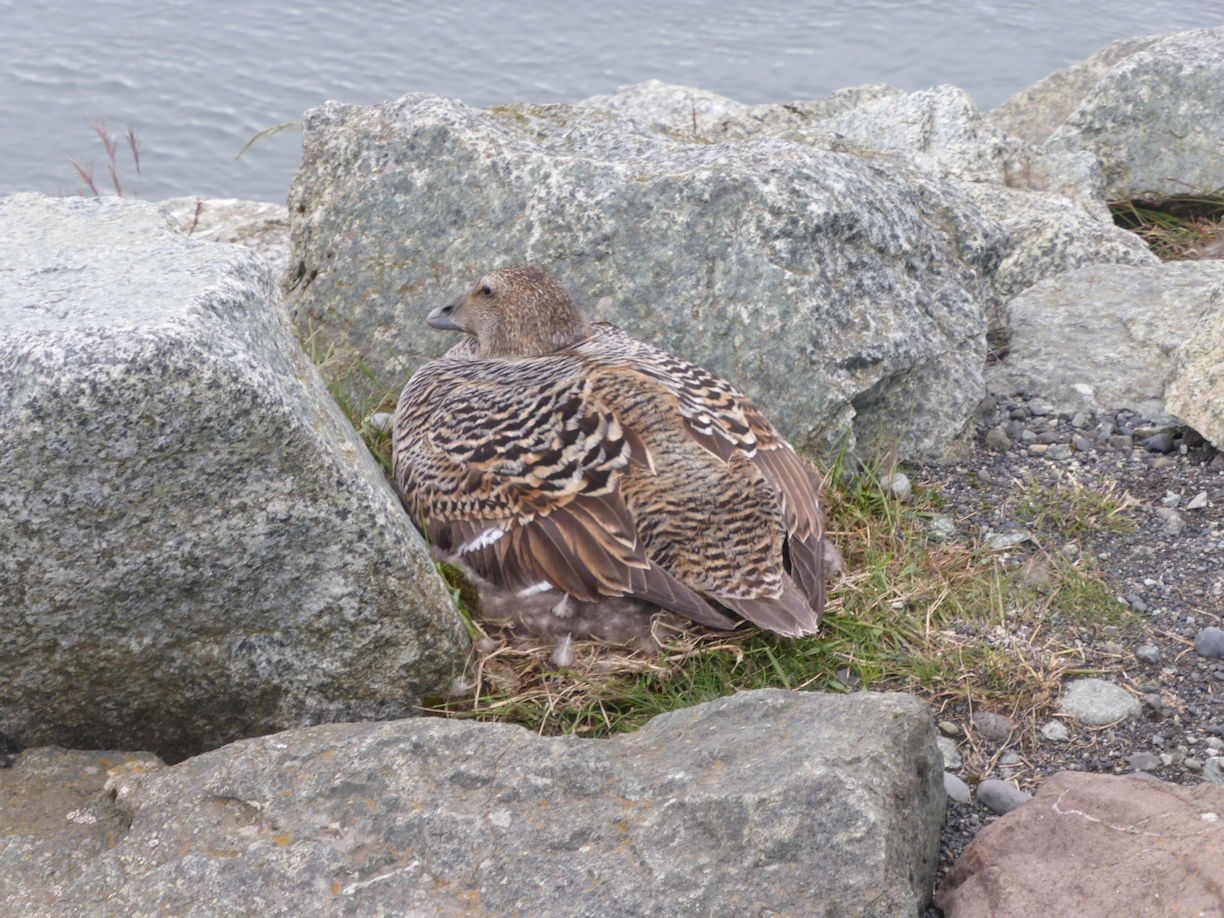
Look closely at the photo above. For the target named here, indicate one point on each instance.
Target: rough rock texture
(1155, 121)
(821, 285)
(942, 131)
(1195, 390)
(1097, 702)
(766, 802)
(54, 820)
(1037, 112)
(1108, 335)
(258, 225)
(194, 544)
(1095, 845)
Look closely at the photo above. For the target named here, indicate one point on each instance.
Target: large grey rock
(825, 286)
(766, 802)
(1155, 120)
(698, 115)
(55, 820)
(941, 131)
(258, 225)
(1097, 702)
(1095, 845)
(1037, 112)
(1195, 388)
(194, 544)
(1108, 336)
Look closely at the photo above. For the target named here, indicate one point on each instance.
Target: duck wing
(512, 466)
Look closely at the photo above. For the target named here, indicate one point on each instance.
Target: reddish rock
(1090, 845)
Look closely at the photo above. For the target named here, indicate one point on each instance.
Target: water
(196, 80)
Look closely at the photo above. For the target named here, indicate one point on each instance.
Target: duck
(586, 479)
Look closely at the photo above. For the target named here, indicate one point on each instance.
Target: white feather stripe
(484, 540)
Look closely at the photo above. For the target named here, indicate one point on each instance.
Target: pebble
(1056, 731)
(1212, 772)
(993, 726)
(1135, 601)
(949, 728)
(1198, 501)
(1039, 409)
(1097, 702)
(1082, 444)
(1143, 761)
(1079, 420)
(1009, 760)
(1174, 523)
(1058, 451)
(956, 789)
(1000, 796)
(898, 484)
(1120, 441)
(1170, 499)
(1147, 653)
(1161, 443)
(1002, 541)
(1014, 430)
(1210, 643)
(942, 527)
(951, 755)
(380, 421)
(997, 439)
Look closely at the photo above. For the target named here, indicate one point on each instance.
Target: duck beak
(442, 316)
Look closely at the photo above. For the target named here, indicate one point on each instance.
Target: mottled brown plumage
(559, 457)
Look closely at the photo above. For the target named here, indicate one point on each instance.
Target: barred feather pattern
(610, 468)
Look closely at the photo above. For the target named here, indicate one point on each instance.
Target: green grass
(950, 621)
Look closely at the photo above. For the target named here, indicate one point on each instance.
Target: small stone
(1056, 731)
(1096, 702)
(1143, 761)
(1028, 437)
(1040, 409)
(1002, 541)
(997, 439)
(1018, 414)
(1147, 653)
(1009, 760)
(993, 726)
(1193, 764)
(1174, 523)
(949, 728)
(1171, 499)
(1082, 444)
(1014, 430)
(380, 421)
(1038, 449)
(951, 755)
(942, 528)
(1000, 796)
(1161, 443)
(898, 484)
(1198, 501)
(1048, 437)
(1058, 451)
(1212, 772)
(1135, 601)
(1210, 643)
(1120, 441)
(956, 789)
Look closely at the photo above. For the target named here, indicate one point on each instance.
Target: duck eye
(486, 291)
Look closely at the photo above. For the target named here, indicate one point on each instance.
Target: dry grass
(1176, 228)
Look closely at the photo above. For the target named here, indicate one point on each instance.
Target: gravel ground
(1168, 570)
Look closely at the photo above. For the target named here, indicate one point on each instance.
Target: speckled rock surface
(259, 225)
(55, 819)
(1095, 845)
(1155, 120)
(1037, 112)
(1105, 335)
(194, 544)
(1195, 390)
(766, 802)
(843, 295)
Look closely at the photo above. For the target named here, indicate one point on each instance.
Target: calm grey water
(195, 80)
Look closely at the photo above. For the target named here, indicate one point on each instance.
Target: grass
(1176, 228)
(950, 621)
(111, 148)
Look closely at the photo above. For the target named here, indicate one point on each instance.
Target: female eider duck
(578, 473)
